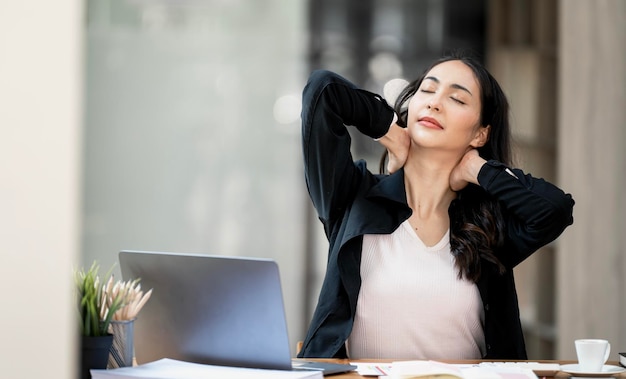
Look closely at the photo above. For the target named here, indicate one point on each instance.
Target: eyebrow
(453, 85)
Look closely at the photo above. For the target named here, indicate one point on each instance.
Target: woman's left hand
(467, 170)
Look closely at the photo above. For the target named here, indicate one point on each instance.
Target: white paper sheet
(174, 369)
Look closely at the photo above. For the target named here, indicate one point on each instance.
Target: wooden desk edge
(540, 374)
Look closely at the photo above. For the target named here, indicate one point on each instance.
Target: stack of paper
(432, 369)
(173, 369)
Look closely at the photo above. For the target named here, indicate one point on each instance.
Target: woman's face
(445, 111)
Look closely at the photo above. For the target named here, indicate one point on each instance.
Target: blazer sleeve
(537, 212)
(329, 103)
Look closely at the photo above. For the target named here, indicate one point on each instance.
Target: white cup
(592, 354)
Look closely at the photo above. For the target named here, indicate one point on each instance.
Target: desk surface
(353, 375)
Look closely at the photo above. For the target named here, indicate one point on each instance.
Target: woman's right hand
(397, 143)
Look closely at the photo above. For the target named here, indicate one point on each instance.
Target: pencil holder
(122, 350)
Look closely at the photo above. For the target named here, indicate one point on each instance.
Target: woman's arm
(329, 103)
(537, 212)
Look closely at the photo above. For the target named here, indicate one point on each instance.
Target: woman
(421, 261)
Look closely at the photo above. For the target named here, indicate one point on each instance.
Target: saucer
(607, 370)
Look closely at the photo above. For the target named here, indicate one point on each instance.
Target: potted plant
(95, 318)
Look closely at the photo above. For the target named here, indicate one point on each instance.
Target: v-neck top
(412, 304)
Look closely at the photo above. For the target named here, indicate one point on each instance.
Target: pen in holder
(123, 349)
(122, 322)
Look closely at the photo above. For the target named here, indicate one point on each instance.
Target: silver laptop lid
(209, 309)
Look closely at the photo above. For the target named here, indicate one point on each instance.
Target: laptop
(213, 309)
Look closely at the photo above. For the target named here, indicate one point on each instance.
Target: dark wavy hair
(476, 222)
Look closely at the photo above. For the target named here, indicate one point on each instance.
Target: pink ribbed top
(412, 305)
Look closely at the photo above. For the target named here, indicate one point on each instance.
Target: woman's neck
(427, 182)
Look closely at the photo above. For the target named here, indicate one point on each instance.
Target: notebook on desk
(213, 309)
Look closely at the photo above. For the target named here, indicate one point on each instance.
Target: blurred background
(173, 125)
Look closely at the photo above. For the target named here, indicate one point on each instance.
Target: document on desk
(433, 369)
(174, 369)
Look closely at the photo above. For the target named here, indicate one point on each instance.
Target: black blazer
(351, 201)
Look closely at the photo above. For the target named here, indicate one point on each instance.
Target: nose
(434, 104)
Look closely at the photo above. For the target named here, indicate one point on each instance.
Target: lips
(430, 122)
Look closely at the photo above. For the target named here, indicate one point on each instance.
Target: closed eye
(457, 100)
(426, 91)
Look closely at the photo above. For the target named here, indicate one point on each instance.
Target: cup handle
(607, 353)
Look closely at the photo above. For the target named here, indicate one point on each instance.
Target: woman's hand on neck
(467, 170)
(397, 142)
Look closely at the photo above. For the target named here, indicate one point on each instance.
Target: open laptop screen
(209, 309)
